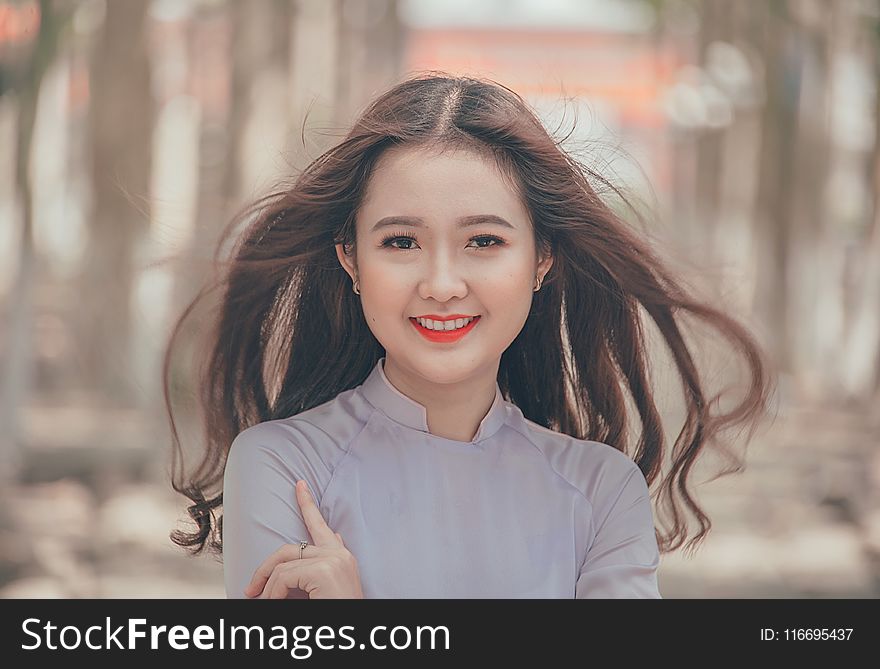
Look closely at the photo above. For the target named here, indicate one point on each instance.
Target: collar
(403, 410)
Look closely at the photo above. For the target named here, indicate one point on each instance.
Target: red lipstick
(447, 317)
(444, 336)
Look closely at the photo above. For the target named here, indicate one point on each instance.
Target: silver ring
(302, 545)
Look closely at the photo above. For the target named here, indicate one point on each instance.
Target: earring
(355, 287)
(538, 284)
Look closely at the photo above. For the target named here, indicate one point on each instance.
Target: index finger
(320, 532)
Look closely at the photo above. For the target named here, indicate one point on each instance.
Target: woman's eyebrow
(463, 222)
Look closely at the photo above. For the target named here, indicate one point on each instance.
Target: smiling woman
(453, 265)
(436, 327)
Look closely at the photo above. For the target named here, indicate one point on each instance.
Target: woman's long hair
(290, 334)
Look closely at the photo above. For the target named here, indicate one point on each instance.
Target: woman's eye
(406, 243)
(496, 241)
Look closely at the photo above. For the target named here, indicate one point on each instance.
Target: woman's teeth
(444, 325)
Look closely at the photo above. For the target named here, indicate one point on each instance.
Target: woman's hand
(327, 569)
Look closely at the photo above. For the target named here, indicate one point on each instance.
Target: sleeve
(260, 511)
(623, 558)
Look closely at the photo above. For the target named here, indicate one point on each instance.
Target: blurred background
(133, 130)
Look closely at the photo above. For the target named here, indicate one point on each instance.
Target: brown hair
(290, 334)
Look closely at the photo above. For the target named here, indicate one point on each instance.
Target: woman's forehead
(451, 179)
(405, 158)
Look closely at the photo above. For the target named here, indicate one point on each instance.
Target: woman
(435, 329)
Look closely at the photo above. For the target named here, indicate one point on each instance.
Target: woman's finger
(320, 532)
(287, 576)
(287, 553)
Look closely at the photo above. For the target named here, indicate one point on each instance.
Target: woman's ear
(545, 262)
(347, 260)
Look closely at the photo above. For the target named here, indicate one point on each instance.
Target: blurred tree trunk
(370, 53)
(121, 129)
(862, 344)
(815, 269)
(741, 142)
(714, 26)
(17, 357)
(260, 100)
(774, 201)
(209, 33)
(682, 142)
(869, 305)
(314, 65)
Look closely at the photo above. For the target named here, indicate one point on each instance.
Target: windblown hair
(290, 334)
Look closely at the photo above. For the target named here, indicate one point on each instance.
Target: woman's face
(460, 242)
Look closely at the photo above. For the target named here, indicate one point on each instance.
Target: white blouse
(520, 511)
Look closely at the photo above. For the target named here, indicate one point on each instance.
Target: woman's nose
(443, 279)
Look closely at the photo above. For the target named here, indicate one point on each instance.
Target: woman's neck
(454, 410)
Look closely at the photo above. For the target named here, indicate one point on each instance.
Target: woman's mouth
(444, 335)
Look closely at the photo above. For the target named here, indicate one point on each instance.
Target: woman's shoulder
(561, 446)
(595, 468)
(322, 433)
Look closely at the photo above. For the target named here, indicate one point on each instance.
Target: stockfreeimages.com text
(299, 640)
